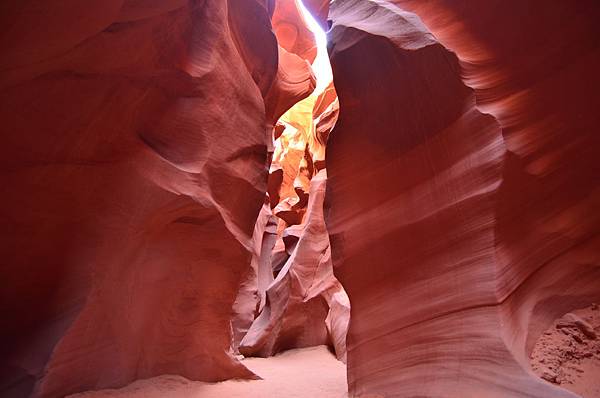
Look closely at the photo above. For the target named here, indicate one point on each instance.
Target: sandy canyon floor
(308, 372)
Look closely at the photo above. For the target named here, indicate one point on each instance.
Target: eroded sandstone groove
(136, 141)
(470, 222)
(180, 187)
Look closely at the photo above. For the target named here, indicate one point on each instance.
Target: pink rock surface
(291, 242)
(294, 82)
(462, 192)
(147, 232)
(252, 291)
(304, 305)
(298, 300)
(293, 33)
(136, 155)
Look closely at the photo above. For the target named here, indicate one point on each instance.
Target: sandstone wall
(135, 166)
(462, 201)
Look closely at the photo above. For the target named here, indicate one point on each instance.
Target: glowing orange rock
(292, 31)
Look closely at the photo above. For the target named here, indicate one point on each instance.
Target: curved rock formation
(292, 317)
(252, 292)
(146, 231)
(463, 190)
(136, 165)
(294, 82)
(305, 305)
(293, 33)
(319, 9)
(276, 238)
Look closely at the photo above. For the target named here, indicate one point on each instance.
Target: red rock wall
(290, 298)
(293, 82)
(293, 34)
(304, 305)
(462, 204)
(135, 166)
(462, 201)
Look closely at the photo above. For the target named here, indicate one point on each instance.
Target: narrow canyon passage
(290, 309)
(291, 298)
(271, 291)
(276, 198)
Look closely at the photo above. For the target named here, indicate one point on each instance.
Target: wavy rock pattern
(463, 191)
(304, 305)
(278, 321)
(136, 155)
(461, 204)
(293, 315)
(292, 31)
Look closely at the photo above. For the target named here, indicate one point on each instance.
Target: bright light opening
(321, 66)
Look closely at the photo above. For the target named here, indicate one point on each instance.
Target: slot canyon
(286, 198)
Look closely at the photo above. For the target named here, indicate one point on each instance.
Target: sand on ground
(307, 372)
(566, 356)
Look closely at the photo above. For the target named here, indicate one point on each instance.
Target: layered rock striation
(168, 202)
(297, 301)
(137, 138)
(462, 189)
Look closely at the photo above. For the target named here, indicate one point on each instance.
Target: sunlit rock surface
(297, 311)
(293, 33)
(135, 166)
(463, 188)
(168, 167)
(319, 9)
(304, 305)
(291, 299)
